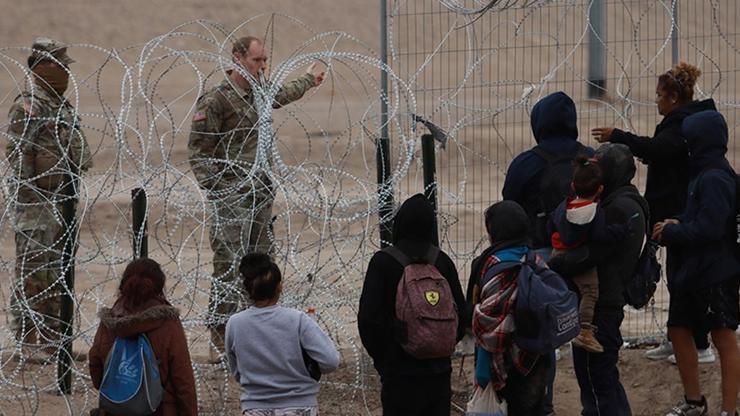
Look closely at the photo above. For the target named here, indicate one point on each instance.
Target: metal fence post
(674, 33)
(66, 312)
(597, 50)
(139, 223)
(429, 162)
(383, 161)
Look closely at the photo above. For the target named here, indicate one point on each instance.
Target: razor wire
(319, 154)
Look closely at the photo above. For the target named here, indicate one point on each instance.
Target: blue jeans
(545, 253)
(598, 377)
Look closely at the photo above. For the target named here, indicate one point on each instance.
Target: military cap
(43, 47)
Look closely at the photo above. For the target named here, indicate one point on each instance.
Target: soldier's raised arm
(296, 88)
(205, 133)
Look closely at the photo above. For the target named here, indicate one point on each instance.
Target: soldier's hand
(318, 78)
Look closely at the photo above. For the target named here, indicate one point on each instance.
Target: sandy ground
(638, 375)
(471, 168)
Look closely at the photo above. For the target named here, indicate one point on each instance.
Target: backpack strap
(552, 159)
(497, 269)
(549, 158)
(429, 258)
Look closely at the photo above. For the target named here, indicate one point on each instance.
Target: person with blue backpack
(277, 354)
(616, 262)
(522, 311)
(139, 360)
(539, 178)
(704, 275)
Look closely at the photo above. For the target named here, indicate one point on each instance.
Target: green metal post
(66, 313)
(429, 162)
(383, 157)
(139, 223)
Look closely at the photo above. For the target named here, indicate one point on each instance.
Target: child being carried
(577, 221)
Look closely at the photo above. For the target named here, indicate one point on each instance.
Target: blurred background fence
(478, 67)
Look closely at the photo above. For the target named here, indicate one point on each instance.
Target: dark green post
(66, 313)
(139, 223)
(382, 154)
(429, 162)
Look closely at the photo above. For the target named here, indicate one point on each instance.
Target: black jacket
(376, 317)
(554, 127)
(622, 203)
(701, 241)
(667, 158)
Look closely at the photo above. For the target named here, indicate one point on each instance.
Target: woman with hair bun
(141, 308)
(667, 158)
(276, 354)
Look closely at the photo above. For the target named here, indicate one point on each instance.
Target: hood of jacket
(554, 122)
(617, 165)
(706, 137)
(508, 225)
(414, 221)
(125, 325)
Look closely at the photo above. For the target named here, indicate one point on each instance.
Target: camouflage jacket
(223, 136)
(45, 142)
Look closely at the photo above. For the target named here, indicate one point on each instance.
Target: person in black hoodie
(598, 377)
(554, 126)
(667, 160)
(704, 274)
(410, 386)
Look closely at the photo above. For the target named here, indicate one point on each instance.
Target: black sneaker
(684, 408)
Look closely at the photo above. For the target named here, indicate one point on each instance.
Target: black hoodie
(667, 158)
(376, 318)
(701, 241)
(622, 203)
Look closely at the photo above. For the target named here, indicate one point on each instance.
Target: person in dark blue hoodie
(704, 275)
(554, 125)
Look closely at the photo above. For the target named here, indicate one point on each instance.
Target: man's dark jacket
(622, 204)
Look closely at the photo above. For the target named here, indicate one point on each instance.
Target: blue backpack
(546, 311)
(131, 383)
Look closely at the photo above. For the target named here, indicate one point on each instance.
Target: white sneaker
(558, 355)
(661, 352)
(705, 356)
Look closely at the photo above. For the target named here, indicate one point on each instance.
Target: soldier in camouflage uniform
(222, 151)
(46, 149)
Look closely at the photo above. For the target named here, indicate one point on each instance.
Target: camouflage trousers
(35, 301)
(241, 225)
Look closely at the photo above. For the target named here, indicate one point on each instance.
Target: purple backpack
(425, 308)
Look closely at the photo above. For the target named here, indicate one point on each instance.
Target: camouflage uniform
(44, 143)
(222, 150)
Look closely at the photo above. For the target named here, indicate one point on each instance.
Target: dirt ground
(652, 388)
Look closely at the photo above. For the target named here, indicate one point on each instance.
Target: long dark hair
(142, 281)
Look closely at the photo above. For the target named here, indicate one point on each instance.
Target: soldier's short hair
(242, 44)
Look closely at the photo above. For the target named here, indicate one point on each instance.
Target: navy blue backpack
(546, 311)
(131, 382)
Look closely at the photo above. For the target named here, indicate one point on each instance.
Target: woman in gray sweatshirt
(269, 348)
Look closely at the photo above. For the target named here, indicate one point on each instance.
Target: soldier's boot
(216, 350)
